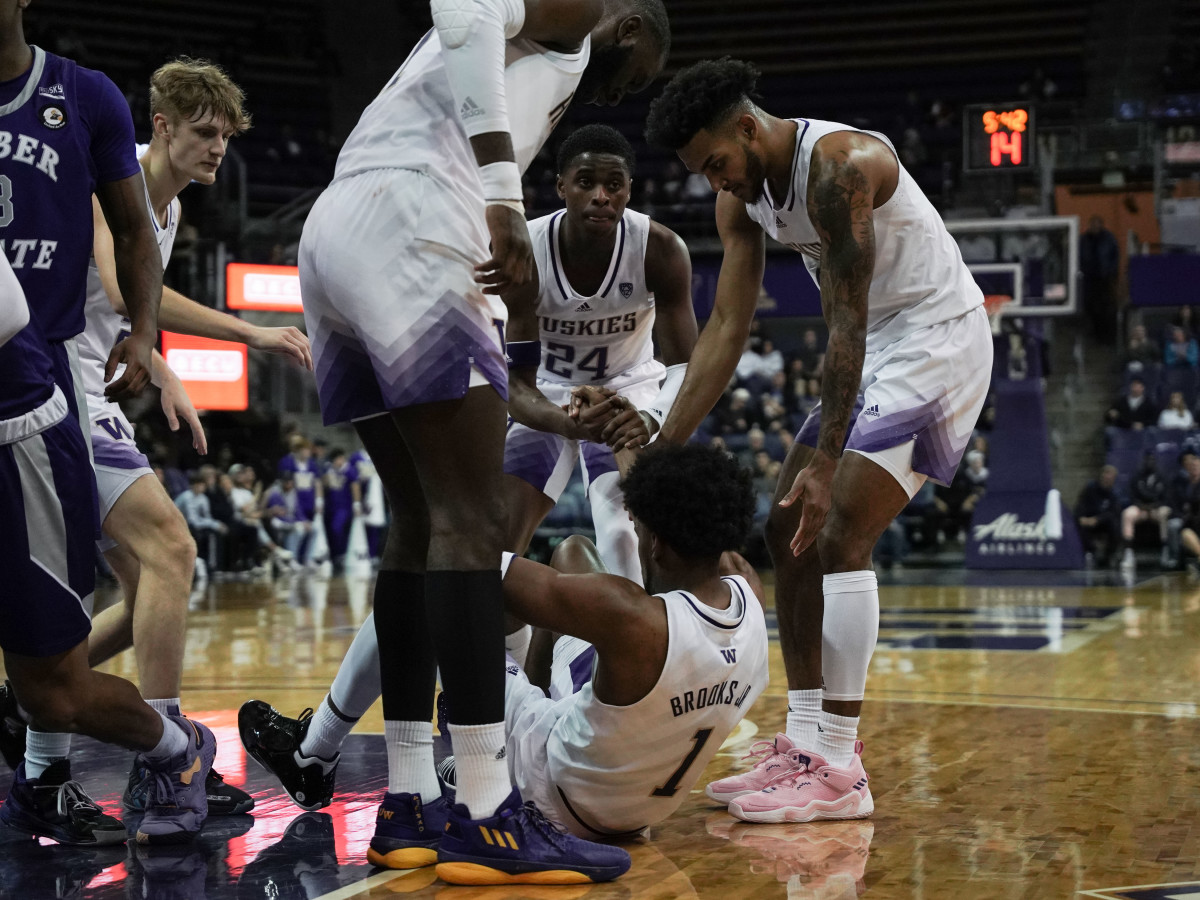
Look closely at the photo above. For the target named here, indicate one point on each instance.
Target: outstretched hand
(288, 341)
(511, 264)
(177, 405)
(813, 488)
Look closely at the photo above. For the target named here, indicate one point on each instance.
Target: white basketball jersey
(593, 338)
(413, 123)
(621, 768)
(104, 324)
(919, 279)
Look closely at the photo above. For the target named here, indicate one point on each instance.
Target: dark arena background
(1030, 719)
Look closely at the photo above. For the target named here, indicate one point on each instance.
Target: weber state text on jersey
(64, 129)
(621, 768)
(593, 338)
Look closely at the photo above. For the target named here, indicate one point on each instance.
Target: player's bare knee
(52, 705)
(778, 532)
(843, 545)
(574, 554)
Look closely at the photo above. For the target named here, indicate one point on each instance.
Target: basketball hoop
(993, 305)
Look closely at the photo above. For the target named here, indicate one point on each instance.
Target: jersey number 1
(699, 739)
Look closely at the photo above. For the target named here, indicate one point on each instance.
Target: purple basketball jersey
(64, 129)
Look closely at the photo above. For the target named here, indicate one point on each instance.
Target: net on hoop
(993, 305)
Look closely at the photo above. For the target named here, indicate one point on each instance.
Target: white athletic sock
(168, 707)
(410, 759)
(516, 644)
(358, 683)
(835, 738)
(848, 633)
(43, 749)
(326, 732)
(174, 741)
(804, 709)
(481, 767)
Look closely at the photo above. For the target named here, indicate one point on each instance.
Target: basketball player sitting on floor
(661, 675)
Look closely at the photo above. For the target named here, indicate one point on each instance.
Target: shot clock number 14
(998, 137)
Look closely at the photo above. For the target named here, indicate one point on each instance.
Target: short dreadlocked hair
(595, 139)
(696, 499)
(697, 98)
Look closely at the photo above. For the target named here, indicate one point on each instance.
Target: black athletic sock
(466, 618)
(407, 661)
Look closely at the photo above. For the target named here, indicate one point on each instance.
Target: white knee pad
(615, 537)
(848, 633)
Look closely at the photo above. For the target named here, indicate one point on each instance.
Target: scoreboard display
(998, 137)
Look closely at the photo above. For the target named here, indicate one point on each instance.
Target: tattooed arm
(851, 175)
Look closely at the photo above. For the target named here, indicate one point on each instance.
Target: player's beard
(602, 67)
(756, 175)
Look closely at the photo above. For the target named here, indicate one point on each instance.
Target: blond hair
(189, 88)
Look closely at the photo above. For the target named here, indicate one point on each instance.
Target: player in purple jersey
(45, 483)
(306, 472)
(66, 134)
(343, 501)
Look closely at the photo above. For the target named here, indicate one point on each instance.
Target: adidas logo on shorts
(872, 410)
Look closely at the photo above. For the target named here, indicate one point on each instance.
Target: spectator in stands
(1176, 414)
(1099, 263)
(1187, 509)
(1149, 503)
(246, 498)
(772, 360)
(810, 396)
(1133, 410)
(291, 524)
(774, 415)
(1097, 515)
(1181, 349)
(738, 416)
(954, 505)
(1142, 350)
(749, 364)
(1185, 318)
(206, 530)
(241, 542)
(810, 357)
(976, 472)
(756, 442)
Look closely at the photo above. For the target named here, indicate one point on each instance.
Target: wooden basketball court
(1024, 740)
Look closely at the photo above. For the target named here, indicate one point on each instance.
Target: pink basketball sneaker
(773, 758)
(812, 790)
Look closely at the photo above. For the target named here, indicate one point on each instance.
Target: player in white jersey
(663, 674)
(906, 371)
(195, 110)
(608, 279)
(401, 295)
